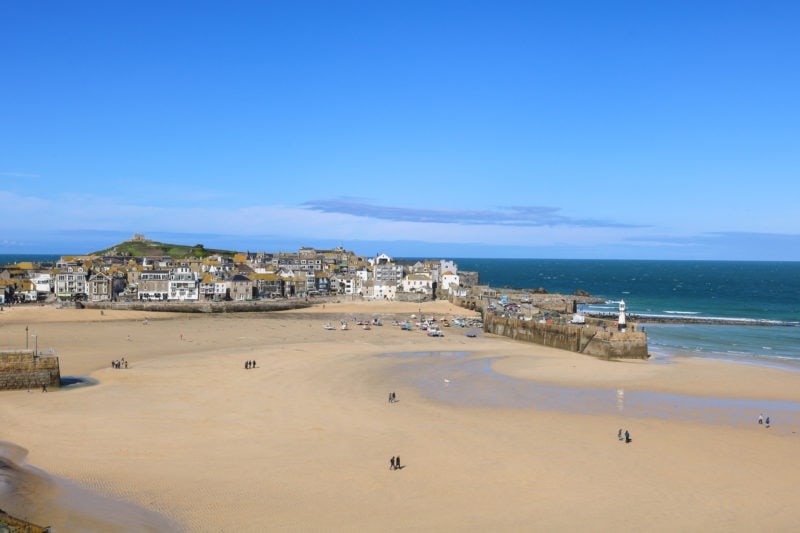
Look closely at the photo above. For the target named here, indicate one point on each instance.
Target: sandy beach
(493, 435)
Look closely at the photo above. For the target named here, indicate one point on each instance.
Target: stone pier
(24, 369)
(585, 339)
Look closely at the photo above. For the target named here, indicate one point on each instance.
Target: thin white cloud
(516, 215)
(19, 175)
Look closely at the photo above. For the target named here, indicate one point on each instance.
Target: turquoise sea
(764, 296)
(10, 259)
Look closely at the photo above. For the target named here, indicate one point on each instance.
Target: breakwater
(586, 339)
(682, 319)
(24, 369)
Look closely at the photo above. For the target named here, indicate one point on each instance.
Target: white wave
(683, 312)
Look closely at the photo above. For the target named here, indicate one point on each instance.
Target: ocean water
(763, 296)
(10, 259)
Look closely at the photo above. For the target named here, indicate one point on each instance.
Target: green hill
(142, 248)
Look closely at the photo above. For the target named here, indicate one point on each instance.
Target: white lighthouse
(621, 322)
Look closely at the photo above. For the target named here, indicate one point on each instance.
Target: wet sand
(494, 434)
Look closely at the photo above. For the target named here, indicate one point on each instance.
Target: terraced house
(70, 282)
(213, 287)
(153, 285)
(100, 287)
(241, 288)
(184, 285)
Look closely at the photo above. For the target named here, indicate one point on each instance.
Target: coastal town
(246, 276)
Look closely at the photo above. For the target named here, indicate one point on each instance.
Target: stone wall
(21, 369)
(204, 307)
(589, 340)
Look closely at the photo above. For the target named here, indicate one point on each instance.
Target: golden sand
(302, 442)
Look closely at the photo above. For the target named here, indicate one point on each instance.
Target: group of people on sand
(763, 420)
(392, 397)
(119, 363)
(626, 435)
(250, 364)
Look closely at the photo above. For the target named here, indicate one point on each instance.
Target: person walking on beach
(767, 421)
(44, 387)
(619, 434)
(397, 463)
(627, 436)
(391, 463)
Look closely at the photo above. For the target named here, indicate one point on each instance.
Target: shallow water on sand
(469, 382)
(29, 493)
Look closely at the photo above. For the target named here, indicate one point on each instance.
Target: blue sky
(647, 130)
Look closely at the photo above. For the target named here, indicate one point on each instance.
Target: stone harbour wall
(22, 369)
(589, 340)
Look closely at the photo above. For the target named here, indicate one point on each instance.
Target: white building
(449, 279)
(184, 285)
(418, 283)
(42, 283)
(351, 285)
(384, 291)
